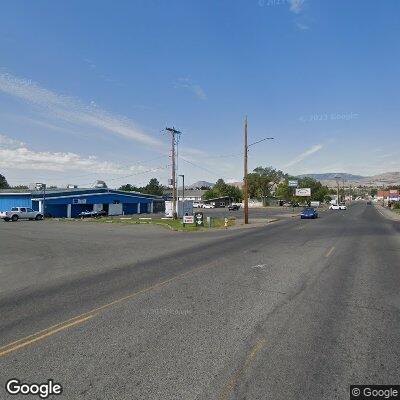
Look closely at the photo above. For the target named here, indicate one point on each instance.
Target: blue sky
(86, 88)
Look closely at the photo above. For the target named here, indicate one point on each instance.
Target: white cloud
(302, 27)
(296, 6)
(7, 142)
(304, 155)
(16, 155)
(196, 89)
(73, 110)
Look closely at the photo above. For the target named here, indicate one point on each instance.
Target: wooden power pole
(245, 182)
(173, 133)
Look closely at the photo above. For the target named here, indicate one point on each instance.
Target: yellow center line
(330, 252)
(22, 343)
(233, 381)
(42, 334)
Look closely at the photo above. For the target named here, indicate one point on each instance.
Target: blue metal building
(68, 203)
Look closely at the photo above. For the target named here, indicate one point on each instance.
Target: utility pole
(245, 182)
(173, 133)
(338, 187)
(183, 196)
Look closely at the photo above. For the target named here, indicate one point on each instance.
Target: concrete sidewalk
(388, 213)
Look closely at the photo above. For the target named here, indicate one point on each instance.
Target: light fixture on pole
(183, 197)
(42, 186)
(245, 180)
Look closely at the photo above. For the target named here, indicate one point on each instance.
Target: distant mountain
(331, 176)
(385, 179)
(199, 184)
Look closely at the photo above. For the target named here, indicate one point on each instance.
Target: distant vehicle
(233, 207)
(92, 214)
(196, 204)
(17, 213)
(337, 207)
(287, 204)
(369, 202)
(208, 206)
(309, 213)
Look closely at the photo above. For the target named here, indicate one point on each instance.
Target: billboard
(293, 183)
(303, 192)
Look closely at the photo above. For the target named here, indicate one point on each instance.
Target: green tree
(222, 189)
(3, 182)
(129, 188)
(153, 187)
(261, 180)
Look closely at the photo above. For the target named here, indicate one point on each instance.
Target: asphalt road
(299, 309)
(254, 213)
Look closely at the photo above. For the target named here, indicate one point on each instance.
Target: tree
(222, 189)
(153, 187)
(261, 180)
(129, 188)
(3, 182)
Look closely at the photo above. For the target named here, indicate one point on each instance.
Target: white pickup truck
(17, 213)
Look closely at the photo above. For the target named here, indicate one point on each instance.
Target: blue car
(309, 212)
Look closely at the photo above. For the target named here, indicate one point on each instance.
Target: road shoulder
(388, 214)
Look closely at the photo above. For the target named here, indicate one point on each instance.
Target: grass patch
(176, 225)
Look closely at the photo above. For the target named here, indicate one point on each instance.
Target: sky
(87, 88)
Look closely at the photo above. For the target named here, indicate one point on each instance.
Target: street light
(183, 198)
(245, 181)
(337, 177)
(42, 186)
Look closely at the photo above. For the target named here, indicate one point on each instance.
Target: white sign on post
(303, 192)
(188, 219)
(293, 183)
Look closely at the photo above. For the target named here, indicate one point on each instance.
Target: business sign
(303, 192)
(188, 219)
(293, 183)
(199, 218)
(78, 201)
(315, 204)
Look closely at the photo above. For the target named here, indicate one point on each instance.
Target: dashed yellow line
(18, 344)
(233, 381)
(330, 252)
(36, 337)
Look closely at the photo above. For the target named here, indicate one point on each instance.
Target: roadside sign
(188, 219)
(199, 218)
(315, 204)
(303, 192)
(293, 183)
(78, 201)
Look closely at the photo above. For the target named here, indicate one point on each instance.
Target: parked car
(92, 214)
(233, 207)
(309, 213)
(337, 207)
(17, 213)
(208, 206)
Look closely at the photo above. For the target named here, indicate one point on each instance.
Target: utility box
(182, 208)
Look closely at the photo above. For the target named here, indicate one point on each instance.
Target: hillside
(385, 179)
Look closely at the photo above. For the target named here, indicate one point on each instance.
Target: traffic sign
(199, 218)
